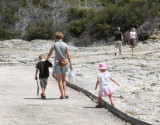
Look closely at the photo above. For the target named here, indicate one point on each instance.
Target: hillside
(84, 20)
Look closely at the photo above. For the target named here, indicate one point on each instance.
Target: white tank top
(132, 35)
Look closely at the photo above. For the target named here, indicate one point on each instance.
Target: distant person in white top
(103, 80)
(133, 39)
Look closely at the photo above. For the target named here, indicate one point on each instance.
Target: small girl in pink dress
(105, 89)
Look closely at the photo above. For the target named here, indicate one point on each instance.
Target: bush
(143, 36)
(43, 3)
(76, 28)
(4, 34)
(40, 30)
(78, 13)
(83, 40)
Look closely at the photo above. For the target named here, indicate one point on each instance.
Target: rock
(154, 37)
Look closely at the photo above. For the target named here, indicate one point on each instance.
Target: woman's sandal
(98, 106)
(61, 97)
(66, 97)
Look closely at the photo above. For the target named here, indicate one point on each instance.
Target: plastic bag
(71, 76)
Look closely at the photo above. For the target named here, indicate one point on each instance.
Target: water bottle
(71, 76)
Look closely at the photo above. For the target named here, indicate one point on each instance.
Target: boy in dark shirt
(42, 66)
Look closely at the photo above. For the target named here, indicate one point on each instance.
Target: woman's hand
(71, 68)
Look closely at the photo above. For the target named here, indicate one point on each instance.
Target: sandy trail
(21, 106)
(139, 75)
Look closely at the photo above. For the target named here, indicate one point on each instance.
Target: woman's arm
(69, 59)
(114, 81)
(98, 81)
(49, 54)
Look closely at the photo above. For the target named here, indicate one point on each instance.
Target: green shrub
(4, 34)
(78, 13)
(43, 3)
(40, 30)
(76, 28)
(106, 2)
(143, 36)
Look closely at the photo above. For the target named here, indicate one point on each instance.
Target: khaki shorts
(118, 44)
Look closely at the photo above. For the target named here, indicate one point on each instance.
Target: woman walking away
(133, 39)
(105, 89)
(61, 52)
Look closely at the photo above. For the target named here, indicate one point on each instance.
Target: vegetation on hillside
(85, 24)
(8, 18)
(40, 30)
(101, 24)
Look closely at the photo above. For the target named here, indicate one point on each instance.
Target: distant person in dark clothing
(118, 37)
(42, 67)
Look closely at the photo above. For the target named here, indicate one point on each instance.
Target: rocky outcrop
(32, 13)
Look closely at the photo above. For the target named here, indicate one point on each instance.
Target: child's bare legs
(43, 91)
(111, 99)
(99, 102)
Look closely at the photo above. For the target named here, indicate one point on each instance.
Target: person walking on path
(133, 39)
(105, 89)
(61, 51)
(118, 37)
(42, 67)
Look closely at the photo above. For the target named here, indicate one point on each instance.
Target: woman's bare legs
(59, 78)
(64, 84)
(133, 47)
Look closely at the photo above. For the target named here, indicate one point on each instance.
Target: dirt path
(21, 106)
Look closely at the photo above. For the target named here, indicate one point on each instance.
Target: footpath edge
(112, 109)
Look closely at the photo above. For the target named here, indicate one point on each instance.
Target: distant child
(42, 66)
(105, 89)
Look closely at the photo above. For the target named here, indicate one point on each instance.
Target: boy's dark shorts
(43, 82)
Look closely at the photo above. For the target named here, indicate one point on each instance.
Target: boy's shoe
(66, 97)
(43, 97)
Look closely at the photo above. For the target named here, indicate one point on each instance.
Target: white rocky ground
(139, 75)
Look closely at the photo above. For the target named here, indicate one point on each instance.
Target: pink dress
(104, 87)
